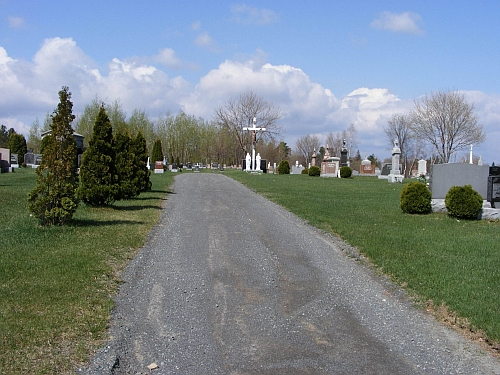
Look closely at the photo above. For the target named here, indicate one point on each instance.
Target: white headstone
(422, 167)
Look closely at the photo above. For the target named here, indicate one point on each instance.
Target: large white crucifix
(254, 129)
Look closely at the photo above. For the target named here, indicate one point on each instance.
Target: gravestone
(330, 167)
(158, 167)
(366, 167)
(386, 169)
(422, 168)
(444, 176)
(493, 189)
(343, 155)
(14, 160)
(395, 174)
(5, 160)
(29, 158)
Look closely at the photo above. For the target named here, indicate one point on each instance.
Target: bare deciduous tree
(305, 147)
(334, 143)
(239, 112)
(398, 128)
(446, 121)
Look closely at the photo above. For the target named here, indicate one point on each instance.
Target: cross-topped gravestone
(254, 129)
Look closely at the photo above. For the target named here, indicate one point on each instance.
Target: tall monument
(395, 173)
(254, 129)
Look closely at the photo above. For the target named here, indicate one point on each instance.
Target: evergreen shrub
(284, 167)
(139, 149)
(463, 202)
(345, 172)
(305, 171)
(157, 153)
(53, 201)
(99, 185)
(415, 198)
(314, 171)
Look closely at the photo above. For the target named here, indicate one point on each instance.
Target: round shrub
(305, 171)
(284, 167)
(463, 202)
(314, 171)
(415, 198)
(345, 172)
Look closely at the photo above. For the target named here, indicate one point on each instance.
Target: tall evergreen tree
(17, 145)
(4, 137)
(157, 151)
(98, 178)
(125, 166)
(54, 201)
(140, 151)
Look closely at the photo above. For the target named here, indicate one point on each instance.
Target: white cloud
(17, 22)
(206, 41)
(29, 90)
(401, 23)
(248, 15)
(196, 25)
(168, 58)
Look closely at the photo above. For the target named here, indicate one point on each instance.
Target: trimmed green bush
(345, 172)
(415, 198)
(463, 202)
(305, 171)
(314, 171)
(284, 167)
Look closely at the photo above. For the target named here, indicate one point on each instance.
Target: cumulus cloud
(29, 90)
(401, 23)
(17, 22)
(248, 15)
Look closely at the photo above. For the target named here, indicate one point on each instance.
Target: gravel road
(230, 283)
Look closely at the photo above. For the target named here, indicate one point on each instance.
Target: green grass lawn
(436, 258)
(56, 283)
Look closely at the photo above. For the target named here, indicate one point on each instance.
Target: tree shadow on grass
(139, 198)
(101, 223)
(134, 208)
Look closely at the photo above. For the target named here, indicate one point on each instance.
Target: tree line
(185, 138)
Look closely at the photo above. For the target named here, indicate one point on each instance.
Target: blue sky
(326, 64)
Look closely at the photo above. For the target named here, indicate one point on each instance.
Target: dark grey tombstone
(445, 176)
(29, 158)
(386, 169)
(343, 157)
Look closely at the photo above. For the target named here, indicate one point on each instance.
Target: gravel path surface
(230, 283)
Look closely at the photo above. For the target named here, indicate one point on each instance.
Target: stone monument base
(395, 178)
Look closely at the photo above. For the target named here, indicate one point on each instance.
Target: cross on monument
(254, 129)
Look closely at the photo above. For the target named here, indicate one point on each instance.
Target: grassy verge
(439, 260)
(56, 283)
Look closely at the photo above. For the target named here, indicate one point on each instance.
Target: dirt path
(230, 283)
